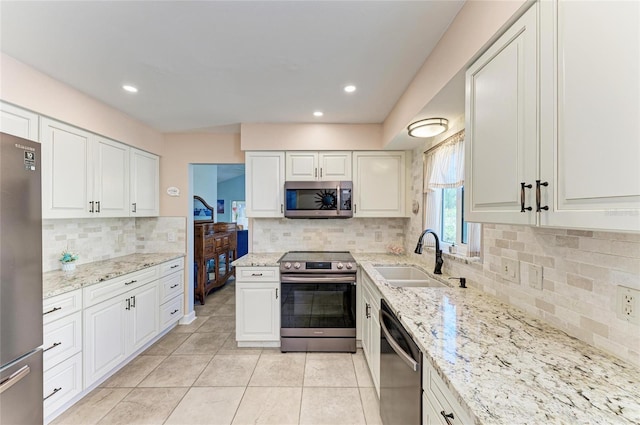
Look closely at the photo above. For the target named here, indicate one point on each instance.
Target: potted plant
(68, 260)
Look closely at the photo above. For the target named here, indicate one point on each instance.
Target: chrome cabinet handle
(522, 186)
(538, 207)
(54, 391)
(14, 378)
(447, 416)
(52, 310)
(55, 344)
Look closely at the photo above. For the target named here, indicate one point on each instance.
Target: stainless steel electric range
(318, 301)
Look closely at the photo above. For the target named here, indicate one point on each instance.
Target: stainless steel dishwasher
(400, 372)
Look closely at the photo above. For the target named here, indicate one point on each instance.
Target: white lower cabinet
(171, 292)
(62, 349)
(369, 311)
(117, 327)
(257, 306)
(439, 406)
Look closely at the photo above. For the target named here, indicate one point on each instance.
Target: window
(444, 196)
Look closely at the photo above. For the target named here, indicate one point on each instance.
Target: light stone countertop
(58, 282)
(262, 259)
(505, 367)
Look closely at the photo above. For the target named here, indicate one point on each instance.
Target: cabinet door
(143, 316)
(301, 166)
(111, 178)
(145, 184)
(257, 311)
(590, 142)
(379, 184)
(264, 184)
(335, 166)
(501, 136)
(18, 122)
(104, 339)
(67, 172)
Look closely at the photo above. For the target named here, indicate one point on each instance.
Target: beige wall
(256, 137)
(182, 149)
(474, 26)
(30, 89)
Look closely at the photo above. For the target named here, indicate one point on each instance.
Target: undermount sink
(407, 276)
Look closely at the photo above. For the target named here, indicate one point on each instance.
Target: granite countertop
(505, 367)
(262, 259)
(58, 282)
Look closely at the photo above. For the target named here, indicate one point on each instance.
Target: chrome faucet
(438, 269)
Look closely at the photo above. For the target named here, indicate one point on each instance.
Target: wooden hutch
(215, 247)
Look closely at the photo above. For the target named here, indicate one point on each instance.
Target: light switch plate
(511, 270)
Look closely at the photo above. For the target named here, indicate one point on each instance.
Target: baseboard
(187, 319)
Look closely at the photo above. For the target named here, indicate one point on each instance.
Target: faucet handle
(463, 281)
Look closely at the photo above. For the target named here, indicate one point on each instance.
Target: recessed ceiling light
(350, 88)
(318, 113)
(130, 88)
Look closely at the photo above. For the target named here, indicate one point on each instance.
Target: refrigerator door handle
(14, 378)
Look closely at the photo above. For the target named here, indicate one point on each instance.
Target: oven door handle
(318, 279)
(396, 347)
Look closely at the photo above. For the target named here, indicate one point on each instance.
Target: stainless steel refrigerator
(21, 282)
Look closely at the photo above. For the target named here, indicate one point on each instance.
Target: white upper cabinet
(590, 144)
(501, 128)
(18, 122)
(264, 184)
(379, 184)
(145, 184)
(67, 171)
(111, 178)
(311, 166)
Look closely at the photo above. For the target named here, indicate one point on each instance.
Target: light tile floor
(196, 375)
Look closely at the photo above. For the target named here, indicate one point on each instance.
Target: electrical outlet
(511, 270)
(628, 304)
(171, 236)
(531, 274)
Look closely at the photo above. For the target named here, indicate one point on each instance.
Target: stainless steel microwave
(318, 199)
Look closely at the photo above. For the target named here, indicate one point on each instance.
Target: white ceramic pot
(68, 267)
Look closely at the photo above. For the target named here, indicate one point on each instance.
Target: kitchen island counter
(505, 367)
(58, 282)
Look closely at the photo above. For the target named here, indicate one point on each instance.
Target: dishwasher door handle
(396, 347)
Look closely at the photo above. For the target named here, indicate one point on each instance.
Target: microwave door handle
(339, 206)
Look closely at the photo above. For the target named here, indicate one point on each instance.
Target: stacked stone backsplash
(98, 239)
(354, 234)
(581, 273)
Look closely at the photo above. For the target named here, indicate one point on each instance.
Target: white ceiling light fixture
(130, 88)
(428, 127)
(350, 88)
(318, 113)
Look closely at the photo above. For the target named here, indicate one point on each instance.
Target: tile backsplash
(96, 239)
(354, 234)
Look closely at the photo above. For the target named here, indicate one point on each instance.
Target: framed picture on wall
(220, 207)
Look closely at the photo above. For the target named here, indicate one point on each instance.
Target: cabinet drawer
(62, 339)
(108, 289)
(170, 286)
(61, 305)
(258, 274)
(61, 383)
(171, 266)
(209, 250)
(171, 312)
(441, 397)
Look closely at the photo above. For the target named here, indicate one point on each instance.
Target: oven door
(318, 305)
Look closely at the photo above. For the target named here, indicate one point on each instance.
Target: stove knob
(296, 266)
(339, 266)
(349, 266)
(287, 265)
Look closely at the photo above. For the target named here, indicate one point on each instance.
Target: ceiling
(210, 65)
